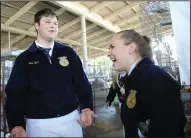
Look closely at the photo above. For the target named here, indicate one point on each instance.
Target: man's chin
(50, 39)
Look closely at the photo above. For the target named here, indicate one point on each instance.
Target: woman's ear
(132, 48)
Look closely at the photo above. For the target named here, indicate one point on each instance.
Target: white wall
(180, 15)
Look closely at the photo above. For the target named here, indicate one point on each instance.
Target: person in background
(46, 86)
(151, 94)
(117, 88)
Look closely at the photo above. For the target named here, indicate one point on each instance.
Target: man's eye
(111, 47)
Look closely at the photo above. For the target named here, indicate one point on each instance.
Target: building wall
(180, 15)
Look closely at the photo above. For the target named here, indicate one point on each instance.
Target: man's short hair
(43, 13)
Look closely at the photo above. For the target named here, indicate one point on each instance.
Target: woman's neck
(134, 60)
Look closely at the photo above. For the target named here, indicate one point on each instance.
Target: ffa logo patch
(131, 99)
(63, 61)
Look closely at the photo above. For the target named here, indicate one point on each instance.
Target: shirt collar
(134, 65)
(34, 47)
(40, 45)
(122, 74)
(140, 67)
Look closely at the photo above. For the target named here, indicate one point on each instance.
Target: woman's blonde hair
(114, 81)
(143, 42)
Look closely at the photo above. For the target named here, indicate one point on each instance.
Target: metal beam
(67, 25)
(100, 39)
(84, 42)
(144, 19)
(108, 6)
(138, 23)
(19, 13)
(103, 45)
(79, 31)
(94, 34)
(4, 27)
(135, 16)
(100, 6)
(162, 30)
(16, 39)
(80, 9)
(126, 8)
(60, 11)
(133, 9)
(33, 34)
(9, 39)
(97, 52)
(91, 53)
(94, 55)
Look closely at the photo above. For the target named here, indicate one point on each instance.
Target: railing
(4, 127)
(186, 99)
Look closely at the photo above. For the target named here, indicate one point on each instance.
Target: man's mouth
(51, 31)
(113, 60)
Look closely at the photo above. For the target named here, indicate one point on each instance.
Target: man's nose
(109, 53)
(52, 25)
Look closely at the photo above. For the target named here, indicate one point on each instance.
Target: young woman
(150, 93)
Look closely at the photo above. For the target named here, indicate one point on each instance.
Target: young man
(152, 96)
(46, 86)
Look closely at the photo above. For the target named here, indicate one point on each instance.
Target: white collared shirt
(134, 65)
(52, 46)
(122, 74)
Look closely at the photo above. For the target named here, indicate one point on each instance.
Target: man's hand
(107, 105)
(18, 131)
(86, 117)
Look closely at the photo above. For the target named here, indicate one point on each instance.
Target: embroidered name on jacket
(34, 62)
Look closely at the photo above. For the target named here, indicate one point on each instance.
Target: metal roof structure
(103, 19)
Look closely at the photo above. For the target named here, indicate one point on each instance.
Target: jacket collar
(139, 68)
(34, 48)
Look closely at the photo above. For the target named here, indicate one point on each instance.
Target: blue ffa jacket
(40, 89)
(152, 94)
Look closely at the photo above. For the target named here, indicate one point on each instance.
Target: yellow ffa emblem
(63, 61)
(131, 99)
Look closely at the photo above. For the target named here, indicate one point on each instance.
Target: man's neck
(44, 43)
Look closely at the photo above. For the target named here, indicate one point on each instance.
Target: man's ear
(36, 25)
(132, 48)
